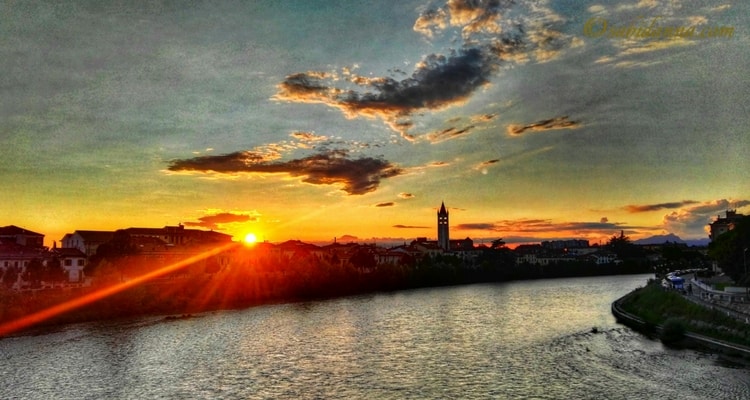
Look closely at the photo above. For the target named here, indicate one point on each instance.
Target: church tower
(442, 221)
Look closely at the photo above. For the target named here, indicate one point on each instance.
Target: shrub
(673, 331)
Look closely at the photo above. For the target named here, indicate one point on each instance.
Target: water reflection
(511, 340)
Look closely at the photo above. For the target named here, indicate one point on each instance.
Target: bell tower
(442, 223)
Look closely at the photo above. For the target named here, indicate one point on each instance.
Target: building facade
(24, 237)
(86, 241)
(724, 225)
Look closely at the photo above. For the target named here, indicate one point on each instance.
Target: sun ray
(37, 317)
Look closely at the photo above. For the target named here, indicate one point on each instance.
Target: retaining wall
(640, 325)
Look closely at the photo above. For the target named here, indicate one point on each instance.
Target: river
(528, 339)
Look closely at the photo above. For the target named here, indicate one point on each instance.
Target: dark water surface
(508, 340)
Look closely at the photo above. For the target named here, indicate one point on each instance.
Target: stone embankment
(640, 325)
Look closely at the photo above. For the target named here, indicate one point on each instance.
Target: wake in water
(619, 363)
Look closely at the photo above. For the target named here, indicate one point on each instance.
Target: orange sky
(295, 121)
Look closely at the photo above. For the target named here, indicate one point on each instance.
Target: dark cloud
(544, 125)
(388, 204)
(405, 195)
(492, 34)
(438, 81)
(547, 226)
(482, 167)
(411, 227)
(477, 226)
(484, 117)
(447, 134)
(358, 176)
(635, 208)
(348, 238)
(213, 221)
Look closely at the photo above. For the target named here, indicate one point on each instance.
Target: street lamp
(744, 264)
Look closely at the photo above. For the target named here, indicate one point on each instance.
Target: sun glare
(250, 238)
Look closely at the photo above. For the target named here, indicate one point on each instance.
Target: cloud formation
(405, 195)
(488, 163)
(387, 204)
(543, 125)
(482, 167)
(639, 208)
(399, 226)
(543, 229)
(437, 82)
(449, 133)
(213, 221)
(490, 39)
(358, 176)
(692, 222)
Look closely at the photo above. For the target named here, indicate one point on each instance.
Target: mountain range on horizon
(672, 238)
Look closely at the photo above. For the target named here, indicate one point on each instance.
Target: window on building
(81, 262)
(68, 262)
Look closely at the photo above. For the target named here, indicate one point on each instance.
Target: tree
(731, 250)
(10, 276)
(34, 273)
(623, 247)
(53, 271)
(497, 243)
(363, 259)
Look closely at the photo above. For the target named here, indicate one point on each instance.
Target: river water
(530, 339)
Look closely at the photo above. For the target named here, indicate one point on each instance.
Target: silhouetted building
(24, 237)
(724, 225)
(443, 228)
(566, 244)
(86, 241)
(177, 235)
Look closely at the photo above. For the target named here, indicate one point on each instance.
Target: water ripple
(513, 340)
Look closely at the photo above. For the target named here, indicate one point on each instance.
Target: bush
(673, 331)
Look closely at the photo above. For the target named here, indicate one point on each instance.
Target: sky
(355, 120)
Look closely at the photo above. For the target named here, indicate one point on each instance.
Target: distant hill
(671, 238)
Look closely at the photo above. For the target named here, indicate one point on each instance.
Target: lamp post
(744, 264)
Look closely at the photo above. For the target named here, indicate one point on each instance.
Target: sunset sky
(355, 119)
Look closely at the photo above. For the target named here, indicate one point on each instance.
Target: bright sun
(250, 238)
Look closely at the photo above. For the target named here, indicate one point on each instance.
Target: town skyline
(441, 237)
(357, 119)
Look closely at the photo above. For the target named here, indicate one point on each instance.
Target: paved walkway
(740, 311)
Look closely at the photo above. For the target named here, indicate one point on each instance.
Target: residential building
(724, 225)
(23, 237)
(177, 235)
(566, 244)
(86, 241)
(73, 261)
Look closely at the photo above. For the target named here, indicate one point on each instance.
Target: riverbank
(242, 288)
(676, 321)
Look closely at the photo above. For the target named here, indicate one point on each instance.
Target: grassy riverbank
(657, 306)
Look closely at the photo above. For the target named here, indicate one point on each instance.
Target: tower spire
(443, 228)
